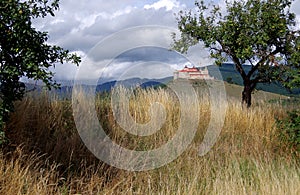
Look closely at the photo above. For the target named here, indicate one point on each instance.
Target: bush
(290, 129)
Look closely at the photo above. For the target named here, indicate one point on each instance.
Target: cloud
(138, 69)
(137, 17)
(145, 62)
(167, 4)
(296, 9)
(132, 38)
(143, 46)
(80, 25)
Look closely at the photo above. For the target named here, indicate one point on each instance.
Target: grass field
(45, 154)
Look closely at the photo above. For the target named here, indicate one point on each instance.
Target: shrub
(290, 129)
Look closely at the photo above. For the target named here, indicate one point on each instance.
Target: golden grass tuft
(45, 154)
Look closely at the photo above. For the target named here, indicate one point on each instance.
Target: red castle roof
(187, 69)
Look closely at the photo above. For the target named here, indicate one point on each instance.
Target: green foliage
(290, 129)
(260, 33)
(24, 51)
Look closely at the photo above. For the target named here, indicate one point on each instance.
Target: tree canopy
(260, 33)
(24, 51)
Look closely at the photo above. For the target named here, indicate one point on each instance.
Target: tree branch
(262, 61)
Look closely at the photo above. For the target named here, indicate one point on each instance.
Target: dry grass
(46, 155)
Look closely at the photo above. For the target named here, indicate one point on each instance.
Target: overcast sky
(82, 25)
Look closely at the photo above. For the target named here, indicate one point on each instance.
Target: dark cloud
(151, 54)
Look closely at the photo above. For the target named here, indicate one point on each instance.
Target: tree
(260, 33)
(24, 51)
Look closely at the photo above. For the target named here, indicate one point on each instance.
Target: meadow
(44, 153)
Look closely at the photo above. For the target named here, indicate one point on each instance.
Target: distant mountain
(66, 88)
(227, 70)
(133, 82)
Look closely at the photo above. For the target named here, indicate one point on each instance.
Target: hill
(233, 84)
(233, 91)
(230, 75)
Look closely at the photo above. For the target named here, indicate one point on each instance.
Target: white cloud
(296, 9)
(168, 4)
(125, 70)
(80, 25)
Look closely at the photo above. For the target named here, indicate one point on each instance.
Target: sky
(120, 39)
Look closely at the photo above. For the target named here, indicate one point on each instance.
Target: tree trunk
(246, 95)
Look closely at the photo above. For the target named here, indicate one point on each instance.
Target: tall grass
(45, 154)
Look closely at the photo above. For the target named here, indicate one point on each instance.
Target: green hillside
(234, 91)
(230, 74)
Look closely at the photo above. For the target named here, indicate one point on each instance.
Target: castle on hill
(192, 73)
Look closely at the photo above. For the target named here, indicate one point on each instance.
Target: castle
(192, 73)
